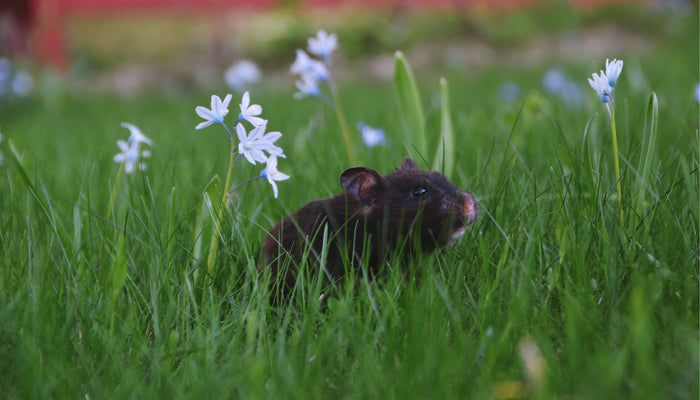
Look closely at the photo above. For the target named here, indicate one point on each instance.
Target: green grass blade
(119, 267)
(445, 155)
(206, 219)
(409, 105)
(651, 127)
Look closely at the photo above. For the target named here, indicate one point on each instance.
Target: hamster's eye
(420, 191)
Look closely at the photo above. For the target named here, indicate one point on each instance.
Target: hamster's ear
(364, 184)
(408, 164)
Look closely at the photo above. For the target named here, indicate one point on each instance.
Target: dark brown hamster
(419, 210)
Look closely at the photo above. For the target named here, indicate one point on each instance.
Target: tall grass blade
(445, 155)
(651, 126)
(409, 105)
(206, 219)
(119, 266)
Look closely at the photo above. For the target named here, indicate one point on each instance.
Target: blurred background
(129, 46)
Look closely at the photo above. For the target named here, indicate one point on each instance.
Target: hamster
(406, 213)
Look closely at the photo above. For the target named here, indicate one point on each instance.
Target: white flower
(136, 134)
(371, 136)
(613, 70)
(242, 74)
(307, 87)
(249, 111)
(600, 84)
(323, 44)
(307, 66)
(272, 174)
(267, 143)
(130, 156)
(217, 112)
(253, 145)
(604, 83)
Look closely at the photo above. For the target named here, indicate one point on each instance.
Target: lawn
(104, 292)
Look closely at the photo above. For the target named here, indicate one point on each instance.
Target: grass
(102, 296)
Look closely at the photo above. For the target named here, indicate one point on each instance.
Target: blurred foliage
(104, 41)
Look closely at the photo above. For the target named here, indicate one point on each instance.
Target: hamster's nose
(470, 208)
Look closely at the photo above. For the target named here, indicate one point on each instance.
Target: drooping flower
(323, 44)
(272, 174)
(253, 145)
(308, 67)
(249, 111)
(136, 134)
(307, 87)
(600, 84)
(216, 114)
(241, 75)
(613, 70)
(371, 136)
(131, 155)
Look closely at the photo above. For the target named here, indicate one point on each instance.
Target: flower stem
(224, 200)
(343, 123)
(243, 183)
(617, 162)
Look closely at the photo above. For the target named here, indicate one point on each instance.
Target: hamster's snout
(470, 208)
(466, 214)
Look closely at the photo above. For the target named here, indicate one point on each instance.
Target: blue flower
(249, 111)
(272, 174)
(241, 75)
(556, 82)
(307, 87)
(307, 66)
(371, 136)
(613, 70)
(22, 84)
(136, 134)
(323, 44)
(131, 155)
(253, 145)
(697, 92)
(509, 91)
(218, 111)
(600, 83)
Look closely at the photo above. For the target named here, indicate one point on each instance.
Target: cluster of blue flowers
(253, 145)
(313, 72)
